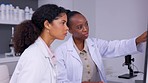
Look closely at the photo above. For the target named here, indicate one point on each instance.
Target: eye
(79, 27)
(63, 22)
(86, 24)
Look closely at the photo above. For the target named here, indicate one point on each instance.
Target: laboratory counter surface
(4, 59)
(113, 78)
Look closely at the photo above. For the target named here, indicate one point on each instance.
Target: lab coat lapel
(96, 57)
(71, 50)
(94, 52)
(91, 46)
(44, 50)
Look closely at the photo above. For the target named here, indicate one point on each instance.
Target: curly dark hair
(28, 31)
(25, 34)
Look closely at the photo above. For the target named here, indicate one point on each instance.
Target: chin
(61, 38)
(86, 37)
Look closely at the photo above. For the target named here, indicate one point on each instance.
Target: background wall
(88, 9)
(121, 19)
(66, 3)
(111, 20)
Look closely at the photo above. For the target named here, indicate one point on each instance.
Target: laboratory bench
(10, 61)
(113, 78)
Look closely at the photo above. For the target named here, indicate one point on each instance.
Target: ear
(47, 25)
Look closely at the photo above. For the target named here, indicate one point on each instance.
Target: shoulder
(31, 54)
(94, 40)
(33, 50)
(97, 39)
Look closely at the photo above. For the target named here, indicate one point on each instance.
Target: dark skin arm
(141, 38)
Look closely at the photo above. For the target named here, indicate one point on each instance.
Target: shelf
(10, 22)
(10, 59)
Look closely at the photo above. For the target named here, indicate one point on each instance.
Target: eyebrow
(86, 22)
(64, 20)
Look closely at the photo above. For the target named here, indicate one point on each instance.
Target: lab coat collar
(89, 42)
(73, 52)
(91, 46)
(44, 49)
(71, 49)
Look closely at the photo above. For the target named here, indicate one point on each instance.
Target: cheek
(58, 29)
(60, 32)
(60, 35)
(77, 34)
(55, 32)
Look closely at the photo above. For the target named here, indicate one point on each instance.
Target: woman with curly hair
(32, 40)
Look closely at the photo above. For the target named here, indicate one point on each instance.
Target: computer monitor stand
(130, 75)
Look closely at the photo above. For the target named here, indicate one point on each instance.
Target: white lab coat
(35, 65)
(70, 66)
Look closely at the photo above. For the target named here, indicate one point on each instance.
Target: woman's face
(59, 28)
(79, 27)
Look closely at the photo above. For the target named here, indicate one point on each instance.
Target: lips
(86, 34)
(65, 33)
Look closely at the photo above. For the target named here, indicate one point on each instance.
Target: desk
(9, 61)
(114, 77)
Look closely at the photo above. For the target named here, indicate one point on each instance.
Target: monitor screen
(145, 77)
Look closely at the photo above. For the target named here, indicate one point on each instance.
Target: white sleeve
(118, 48)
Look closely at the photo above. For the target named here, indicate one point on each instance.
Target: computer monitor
(145, 76)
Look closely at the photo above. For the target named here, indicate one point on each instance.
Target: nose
(85, 28)
(66, 27)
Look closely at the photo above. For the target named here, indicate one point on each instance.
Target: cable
(137, 69)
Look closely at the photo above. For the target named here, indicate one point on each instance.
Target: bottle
(0, 12)
(11, 45)
(11, 12)
(7, 12)
(21, 15)
(3, 11)
(27, 13)
(11, 41)
(30, 13)
(15, 15)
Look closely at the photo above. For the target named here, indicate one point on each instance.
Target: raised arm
(141, 38)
